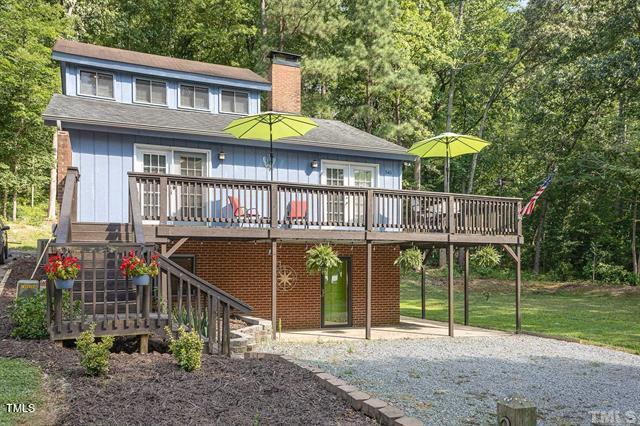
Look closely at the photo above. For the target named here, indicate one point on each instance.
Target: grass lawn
(603, 315)
(24, 236)
(21, 384)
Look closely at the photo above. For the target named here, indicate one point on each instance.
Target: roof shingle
(331, 134)
(76, 48)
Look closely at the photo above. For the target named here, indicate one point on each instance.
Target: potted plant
(63, 270)
(321, 258)
(136, 268)
(410, 259)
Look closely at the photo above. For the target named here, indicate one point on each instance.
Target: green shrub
(94, 357)
(186, 349)
(33, 215)
(28, 315)
(613, 274)
(410, 259)
(321, 258)
(486, 257)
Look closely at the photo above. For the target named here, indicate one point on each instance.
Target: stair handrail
(207, 287)
(134, 209)
(67, 207)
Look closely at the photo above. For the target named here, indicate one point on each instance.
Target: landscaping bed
(144, 389)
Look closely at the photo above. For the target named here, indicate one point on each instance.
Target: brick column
(64, 160)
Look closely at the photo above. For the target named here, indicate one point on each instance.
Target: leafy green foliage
(486, 257)
(186, 349)
(28, 315)
(410, 259)
(94, 355)
(614, 274)
(321, 258)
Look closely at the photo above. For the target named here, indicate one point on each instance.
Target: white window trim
(95, 71)
(234, 101)
(172, 169)
(194, 108)
(348, 164)
(152, 80)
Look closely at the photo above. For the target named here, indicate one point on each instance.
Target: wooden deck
(173, 207)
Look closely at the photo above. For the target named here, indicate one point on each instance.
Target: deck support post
(518, 289)
(144, 343)
(423, 283)
(450, 249)
(466, 286)
(368, 309)
(164, 283)
(274, 288)
(516, 256)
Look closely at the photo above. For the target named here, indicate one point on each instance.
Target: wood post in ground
(423, 293)
(516, 411)
(518, 289)
(274, 288)
(466, 286)
(144, 343)
(450, 249)
(368, 310)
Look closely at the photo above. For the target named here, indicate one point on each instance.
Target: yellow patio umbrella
(447, 145)
(270, 126)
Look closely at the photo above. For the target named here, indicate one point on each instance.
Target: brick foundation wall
(64, 160)
(244, 270)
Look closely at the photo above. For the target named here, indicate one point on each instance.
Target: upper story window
(234, 102)
(194, 97)
(150, 91)
(98, 84)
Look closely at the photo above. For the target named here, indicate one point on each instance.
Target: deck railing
(182, 200)
(101, 295)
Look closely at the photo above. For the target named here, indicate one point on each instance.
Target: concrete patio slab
(409, 328)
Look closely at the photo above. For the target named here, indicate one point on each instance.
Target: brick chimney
(286, 82)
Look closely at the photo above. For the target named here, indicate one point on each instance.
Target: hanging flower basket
(137, 268)
(321, 258)
(62, 270)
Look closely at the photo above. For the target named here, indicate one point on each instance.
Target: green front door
(336, 296)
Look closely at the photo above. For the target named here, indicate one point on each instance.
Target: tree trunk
(452, 88)
(33, 194)
(263, 17)
(5, 201)
(634, 225)
(417, 173)
(14, 213)
(539, 238)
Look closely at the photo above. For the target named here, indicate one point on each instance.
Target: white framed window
(193, 97)
(341, 208)
(233, 101)
(147, 91)
(187, 200)
(98, 84)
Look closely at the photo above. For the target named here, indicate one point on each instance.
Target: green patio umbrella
(447, 145)
(270, 126)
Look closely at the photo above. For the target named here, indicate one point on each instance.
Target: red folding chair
(242, 212)
(298, 213)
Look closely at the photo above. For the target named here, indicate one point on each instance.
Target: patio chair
(241, 214)
(298, 213)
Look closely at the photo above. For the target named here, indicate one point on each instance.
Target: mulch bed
(151, 389)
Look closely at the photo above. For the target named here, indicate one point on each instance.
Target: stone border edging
(377, 409)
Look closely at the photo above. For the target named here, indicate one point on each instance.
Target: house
(142, 158)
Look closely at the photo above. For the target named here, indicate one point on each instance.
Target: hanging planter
(321, 258)
(410, 259)
(62, 270)
(137, 268)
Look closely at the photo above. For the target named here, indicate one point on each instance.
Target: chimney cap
(285, 58)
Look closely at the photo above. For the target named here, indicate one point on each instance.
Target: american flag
(528, 208)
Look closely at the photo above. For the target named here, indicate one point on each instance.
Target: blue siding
(104, 159)
(123, 88)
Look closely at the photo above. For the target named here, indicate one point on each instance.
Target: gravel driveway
(458, 381)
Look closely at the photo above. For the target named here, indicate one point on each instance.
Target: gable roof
(329, 135)
(76, 48)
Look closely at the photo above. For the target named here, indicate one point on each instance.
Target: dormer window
(234, 102)
(98, 84)
(194, 97)
(150, 91)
